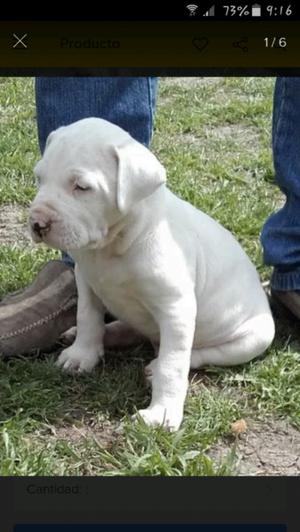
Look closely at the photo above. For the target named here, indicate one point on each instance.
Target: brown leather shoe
(289, 299)
(35, 318)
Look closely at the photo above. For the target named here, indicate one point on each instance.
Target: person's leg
(281, 232)
(127, 102)
(36, 317)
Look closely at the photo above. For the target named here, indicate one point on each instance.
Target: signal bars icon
(210, 12)
(192, 9)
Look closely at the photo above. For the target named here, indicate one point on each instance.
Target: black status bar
(194, 10)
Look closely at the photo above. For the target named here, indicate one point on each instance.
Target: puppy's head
(91, 175)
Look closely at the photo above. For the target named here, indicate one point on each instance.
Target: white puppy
(164, 268)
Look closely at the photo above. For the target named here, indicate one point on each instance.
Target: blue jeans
(281, 233)
(128, 102)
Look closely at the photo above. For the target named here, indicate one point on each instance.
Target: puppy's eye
(81, 188)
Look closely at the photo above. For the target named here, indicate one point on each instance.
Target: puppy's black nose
(40, 229)
(37, 228)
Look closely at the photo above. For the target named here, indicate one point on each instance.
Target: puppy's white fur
(161, 266)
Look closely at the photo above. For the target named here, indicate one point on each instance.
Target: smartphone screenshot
(150, 269)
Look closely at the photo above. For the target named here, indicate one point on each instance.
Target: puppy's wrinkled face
(91, 175)
(76, 202)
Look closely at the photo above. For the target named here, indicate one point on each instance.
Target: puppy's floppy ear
(49, 138)
(52, 134)
(139, 174)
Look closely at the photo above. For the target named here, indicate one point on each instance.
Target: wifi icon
(192, 9)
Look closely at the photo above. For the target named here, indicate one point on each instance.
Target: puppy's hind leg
(68, 337)
(254, 337)
(119, 334)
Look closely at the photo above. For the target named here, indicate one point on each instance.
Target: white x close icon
(20, 41)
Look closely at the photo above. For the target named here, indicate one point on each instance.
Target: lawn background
(214, 137)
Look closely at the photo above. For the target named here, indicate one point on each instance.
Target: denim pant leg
(281, 232)
(128, 102)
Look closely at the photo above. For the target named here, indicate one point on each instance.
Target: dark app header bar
(177, 45)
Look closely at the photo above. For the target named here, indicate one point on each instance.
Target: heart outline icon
(200, 43)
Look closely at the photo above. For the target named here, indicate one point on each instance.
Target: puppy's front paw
(75, 360)
(169, 417)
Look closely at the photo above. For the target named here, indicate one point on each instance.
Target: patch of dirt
(244, 138)
(13, 226)
(266, 449)
(193, 81)
(105, 433)
(238, 132)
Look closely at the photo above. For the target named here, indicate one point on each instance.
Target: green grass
(213, 136)
(18, 141)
